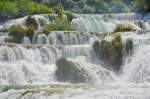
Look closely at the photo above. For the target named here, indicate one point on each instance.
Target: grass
(57, 25)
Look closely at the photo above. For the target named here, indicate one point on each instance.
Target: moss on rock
(70, 71)
(111, 52)
(30, 21)
(50, 91)
(123, 27)
(17, 33)
(129, 46)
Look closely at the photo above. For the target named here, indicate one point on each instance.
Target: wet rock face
(111, 52)
(70, 71)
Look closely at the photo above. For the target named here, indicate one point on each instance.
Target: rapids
(28, 69)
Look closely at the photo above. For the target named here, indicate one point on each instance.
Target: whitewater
(27, 70)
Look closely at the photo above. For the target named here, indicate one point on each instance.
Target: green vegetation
(58, 25)
(46, 90)
(70, 71)
(124, 27)
(141, 5)
(101, 6)
(17, 32)
(111, 52)
(50, 91)
(19, 8)
(8, 10)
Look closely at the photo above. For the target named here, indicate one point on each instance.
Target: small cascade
(26, 40)
(34, 61)
(96, 25)
(137, 70)
(27, 66)
(108, 22)
(63, 38)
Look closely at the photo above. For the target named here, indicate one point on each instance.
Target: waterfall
(107, 22)
(20, 65)
(28, 70)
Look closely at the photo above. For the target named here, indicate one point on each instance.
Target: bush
(124, 27)
(58, 25)
(119, 7)
(17, 32)
(7, 10)
(34, 8)
(141, 5)
(111, 52)
(20, 8)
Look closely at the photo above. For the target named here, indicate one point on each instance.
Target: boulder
(68, 71)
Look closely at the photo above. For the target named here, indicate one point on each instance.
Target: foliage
(58, 25)
(122, 27)
(7, 10)
(119, 6)
(141, 5)
(19, 8)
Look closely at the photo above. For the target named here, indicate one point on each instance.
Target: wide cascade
(110, 65)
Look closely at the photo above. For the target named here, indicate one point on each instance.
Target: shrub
(141, 5)
(19, 8)
(34, 8)
(7, 10)
(119, 7)
(124, 27)
(58, 25)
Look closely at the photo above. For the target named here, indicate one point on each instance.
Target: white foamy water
(33, 61)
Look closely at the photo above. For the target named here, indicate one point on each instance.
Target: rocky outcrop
(111, 53)
(70, 71)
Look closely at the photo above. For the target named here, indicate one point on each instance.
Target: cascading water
(33, 62)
